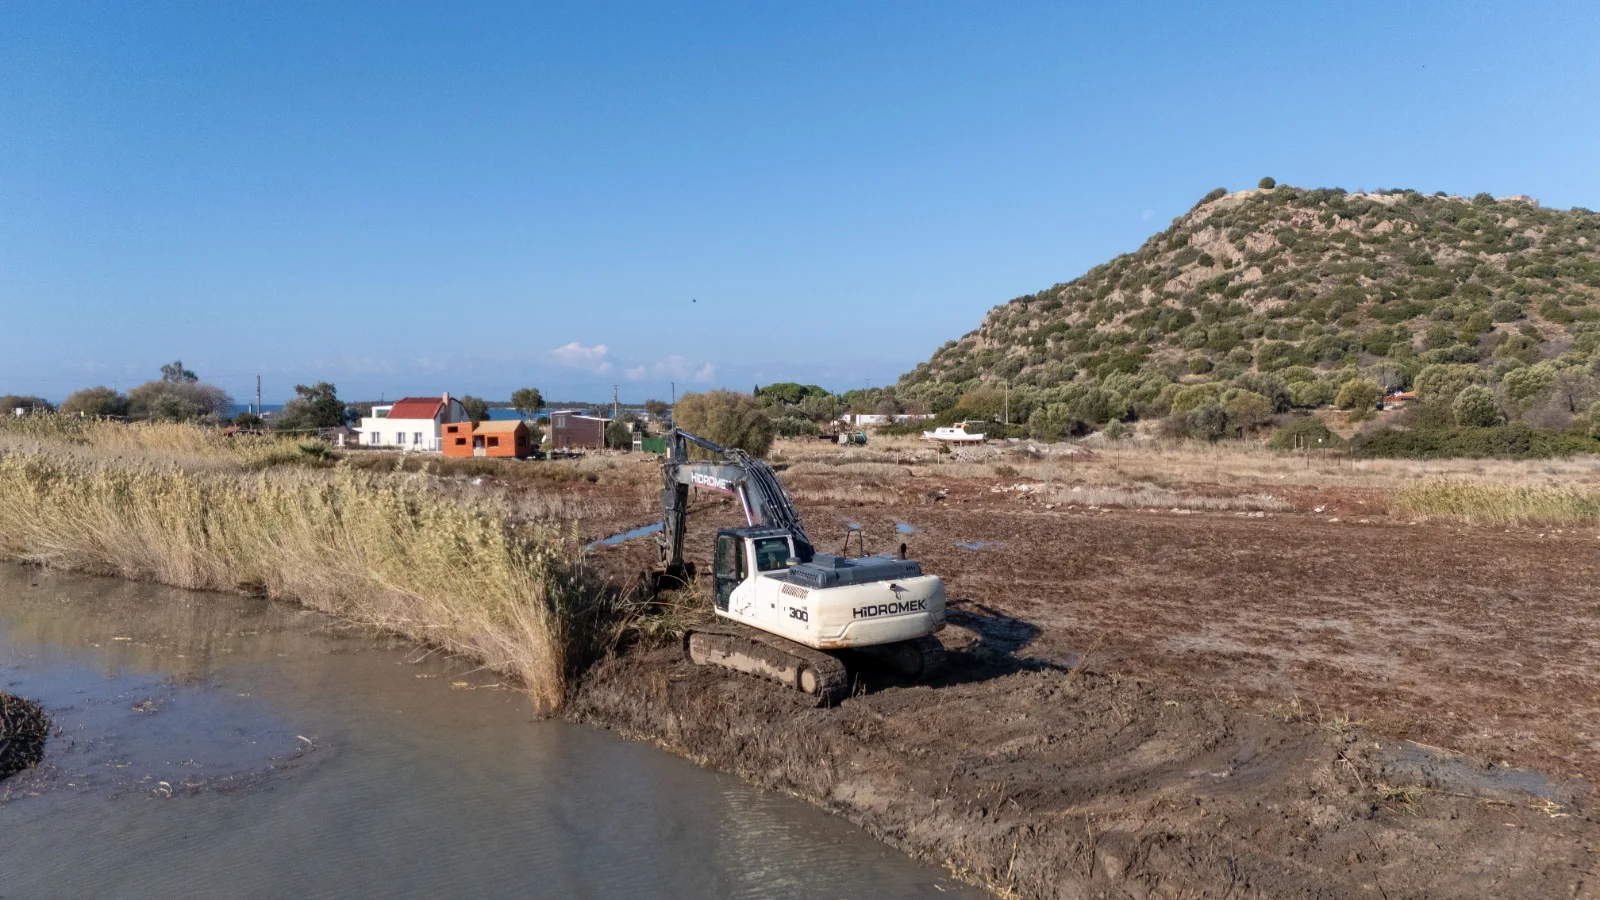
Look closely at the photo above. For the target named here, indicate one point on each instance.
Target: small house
(571, 430)
(411, 423)
(503, 439)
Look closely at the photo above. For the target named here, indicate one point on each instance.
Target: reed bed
(155, 443)
(383, 550)
(1507, 504)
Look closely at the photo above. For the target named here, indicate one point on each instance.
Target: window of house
(461, 442)
(400, 438)
(375, 438)
(494, 442)
(559, 421)
(416, 438)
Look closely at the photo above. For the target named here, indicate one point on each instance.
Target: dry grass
(1231, 463)
(387, 550)
(153, 443)
(1504, 504)
(1148, 497)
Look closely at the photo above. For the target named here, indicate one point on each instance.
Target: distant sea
(245, 407)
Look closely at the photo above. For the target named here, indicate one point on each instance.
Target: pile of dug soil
(23, 725)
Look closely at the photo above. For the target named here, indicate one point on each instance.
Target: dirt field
(1260, 685)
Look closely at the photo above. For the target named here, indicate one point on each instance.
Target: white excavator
(783, 610)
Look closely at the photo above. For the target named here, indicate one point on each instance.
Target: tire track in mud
(1039, 781)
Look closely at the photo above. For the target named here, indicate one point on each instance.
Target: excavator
(784, 610)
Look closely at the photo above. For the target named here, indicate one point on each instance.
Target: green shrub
(1267, 184)
(1441, 383)
(1247, 412)
(1360, 396)
(1207, 422)
(1516, 441)
(1475, 407)
(1506, 311)
(1311, 394)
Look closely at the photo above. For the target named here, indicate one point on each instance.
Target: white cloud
(634, 373)
(577, 356)
(1147, 215)
(682, 368)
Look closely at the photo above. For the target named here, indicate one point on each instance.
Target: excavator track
(754, 652)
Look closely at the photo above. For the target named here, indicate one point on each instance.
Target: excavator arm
(760, 493)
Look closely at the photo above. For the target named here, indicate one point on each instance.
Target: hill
(1302, 298)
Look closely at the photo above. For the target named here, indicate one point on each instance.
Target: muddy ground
(1178, 702)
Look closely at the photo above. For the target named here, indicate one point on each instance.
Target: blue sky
(409, 198)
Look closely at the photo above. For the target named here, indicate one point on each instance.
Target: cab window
(772, 554)
(730, 557)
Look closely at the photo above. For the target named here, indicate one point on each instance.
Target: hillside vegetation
(1258, 303)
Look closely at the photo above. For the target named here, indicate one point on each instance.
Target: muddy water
(221, 746)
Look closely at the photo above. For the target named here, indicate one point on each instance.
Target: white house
(410, 423)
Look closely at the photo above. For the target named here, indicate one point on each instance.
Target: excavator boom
(760, 494)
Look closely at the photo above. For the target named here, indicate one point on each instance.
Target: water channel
(215, 745)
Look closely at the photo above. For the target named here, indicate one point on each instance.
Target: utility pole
(614, 409)
(258, 393)
(1006, 415)
(674, 393)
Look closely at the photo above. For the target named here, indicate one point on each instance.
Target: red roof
(415, 408)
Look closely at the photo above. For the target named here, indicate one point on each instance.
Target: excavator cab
(771, 550)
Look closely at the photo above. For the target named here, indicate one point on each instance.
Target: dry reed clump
(1511, 504)
(23, 728)
(385, 551)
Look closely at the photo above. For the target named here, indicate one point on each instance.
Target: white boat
(954, 434)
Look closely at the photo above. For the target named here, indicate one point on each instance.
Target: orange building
(507, 439)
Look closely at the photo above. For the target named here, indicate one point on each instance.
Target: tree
(96, 401)
(11, 402)
(619, 435)
(179, 396)
(656, 408)
(1247, 411)
(1475, 406)
(1312, 394)
(728, 418)
(1050, 423)
(174, 373)
(477, 408)
(1360, 396)
(787, 393)
(527, 401)
(1524, 385)
(1267, 184)
(313, 407)
(1207, 422)
(1441, 383)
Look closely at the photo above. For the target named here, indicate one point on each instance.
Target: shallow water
(213, 745)
(615, 539)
